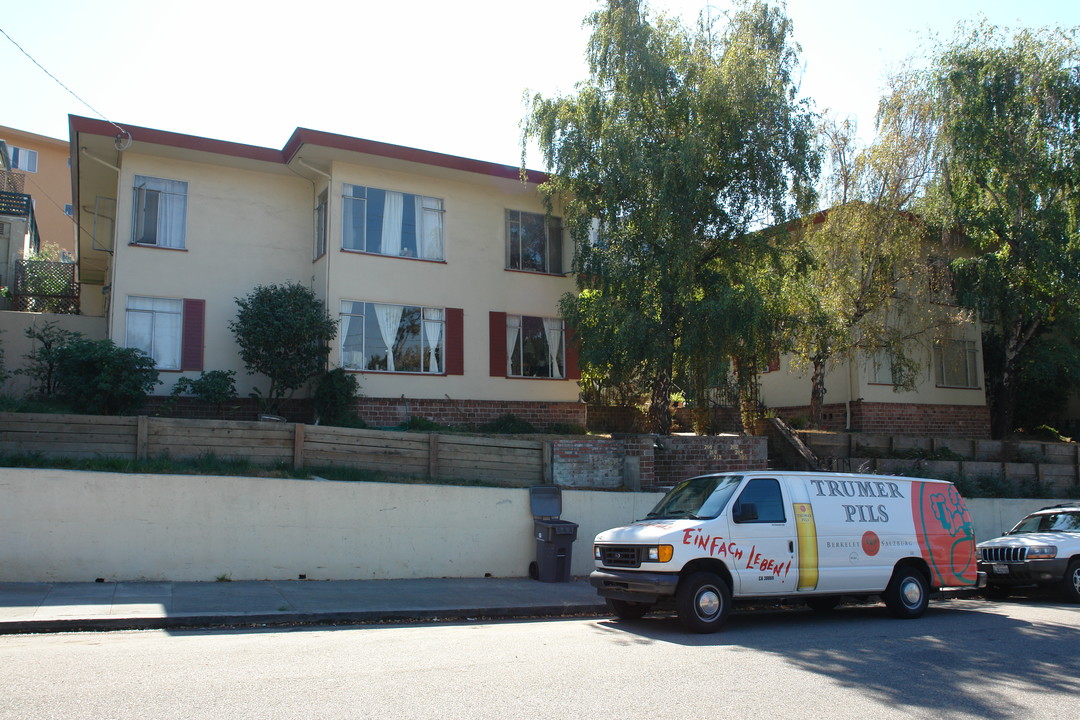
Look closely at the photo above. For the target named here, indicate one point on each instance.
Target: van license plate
(1000, 569)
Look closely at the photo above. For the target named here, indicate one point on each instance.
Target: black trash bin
(554, 537)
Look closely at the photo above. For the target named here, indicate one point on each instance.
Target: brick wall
(629, 419)
(390, 412)
(972, 421)
(679, 457)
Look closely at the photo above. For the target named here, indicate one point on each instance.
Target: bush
(335, 397)
(98, 378)
(41, 361)
(509, 424)
(216, 386)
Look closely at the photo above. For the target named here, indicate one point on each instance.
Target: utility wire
(122, 130)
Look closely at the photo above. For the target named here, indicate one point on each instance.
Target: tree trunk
(817, 393)
(660, 403)
(745, 379)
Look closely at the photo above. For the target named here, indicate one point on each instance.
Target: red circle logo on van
(871, 543)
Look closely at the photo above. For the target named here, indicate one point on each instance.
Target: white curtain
(513, 329)
(429, 228)
(393, 209)
(433, 328)
(389, 317)
(154, 326)
(553, 334)
(171, 199)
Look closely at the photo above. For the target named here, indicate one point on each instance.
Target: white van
(769, 534)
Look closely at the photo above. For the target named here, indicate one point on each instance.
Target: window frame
(429, 208)
(518, 323)
(442, 348)
(970, 363)
(322, 218)
(16, 155)
(174, 237)
(190, 331)
(553, 241)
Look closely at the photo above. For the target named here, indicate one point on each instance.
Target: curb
(194, 622)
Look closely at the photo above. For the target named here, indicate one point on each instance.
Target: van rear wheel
(908, 593)
(703, 602)
(1071, 584)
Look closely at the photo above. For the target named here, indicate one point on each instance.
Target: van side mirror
(744, 512)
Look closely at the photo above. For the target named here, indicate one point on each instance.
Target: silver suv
(1043, 549)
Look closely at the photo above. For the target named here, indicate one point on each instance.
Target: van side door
(762, 526)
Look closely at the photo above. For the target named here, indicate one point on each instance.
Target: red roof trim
(299, 138)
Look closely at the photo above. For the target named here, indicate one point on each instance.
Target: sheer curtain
(352, 335)
(429, 221)
(553, 334)
(153, 326)
(513, 329)
(393, 208)
(389, 317)
(433, 328)
(172, 206)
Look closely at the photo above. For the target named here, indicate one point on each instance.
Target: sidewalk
(66, 607)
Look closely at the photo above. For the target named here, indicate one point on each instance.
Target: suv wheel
(1071, 582)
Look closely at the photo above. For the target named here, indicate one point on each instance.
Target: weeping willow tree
(871, 276)
(679, 144)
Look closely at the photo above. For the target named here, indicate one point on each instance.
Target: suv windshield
(698, 497)
(1048, 522)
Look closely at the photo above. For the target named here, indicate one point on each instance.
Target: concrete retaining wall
(60, 525)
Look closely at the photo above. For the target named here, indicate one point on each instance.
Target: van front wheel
(703, 602)
(908, 594)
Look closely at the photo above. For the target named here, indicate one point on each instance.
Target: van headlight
(1042, 552)
(659, 553)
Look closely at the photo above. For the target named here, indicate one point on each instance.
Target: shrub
(216, 386)
(41, 361)
(508, 424)
(335, 397)
(283, 332)
(97, 377)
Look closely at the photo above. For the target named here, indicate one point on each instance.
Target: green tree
(679, 144)
(284, 333)
(866, 289)
(97, 377)
(1009, 113)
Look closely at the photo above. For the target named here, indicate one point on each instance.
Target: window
(956, 363)
(23, 159)
(393, 338)
(170, 330)
(69, 209)
(942, 288)
(320, 228)
(392, 223)
(533, 242)
(535, 347)
(883, 369)
(160, 210)
(766, 498)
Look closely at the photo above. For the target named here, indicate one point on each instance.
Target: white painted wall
(68, 526)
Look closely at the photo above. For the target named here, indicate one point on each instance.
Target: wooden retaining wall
(512, 461)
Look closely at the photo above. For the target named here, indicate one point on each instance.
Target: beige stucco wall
(49, 187)
(246, 227)
(58, 525)
(69, 526)
(789, 386)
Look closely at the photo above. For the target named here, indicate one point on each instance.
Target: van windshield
(698, 498)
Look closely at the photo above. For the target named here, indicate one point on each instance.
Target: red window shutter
(192, 335)
(455, 341)
(497, 340)
(573, 371)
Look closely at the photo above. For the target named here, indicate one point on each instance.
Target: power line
(57, 81)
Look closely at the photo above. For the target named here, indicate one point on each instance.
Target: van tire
(1071, 582)
(823, 603)
(703, 602)
(625, 610)
(908, 594)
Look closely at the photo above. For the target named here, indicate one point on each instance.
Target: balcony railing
(45, 286)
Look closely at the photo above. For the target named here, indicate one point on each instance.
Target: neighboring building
(444, 272)
(41, 169)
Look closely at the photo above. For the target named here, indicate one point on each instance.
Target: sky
(451, 77)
